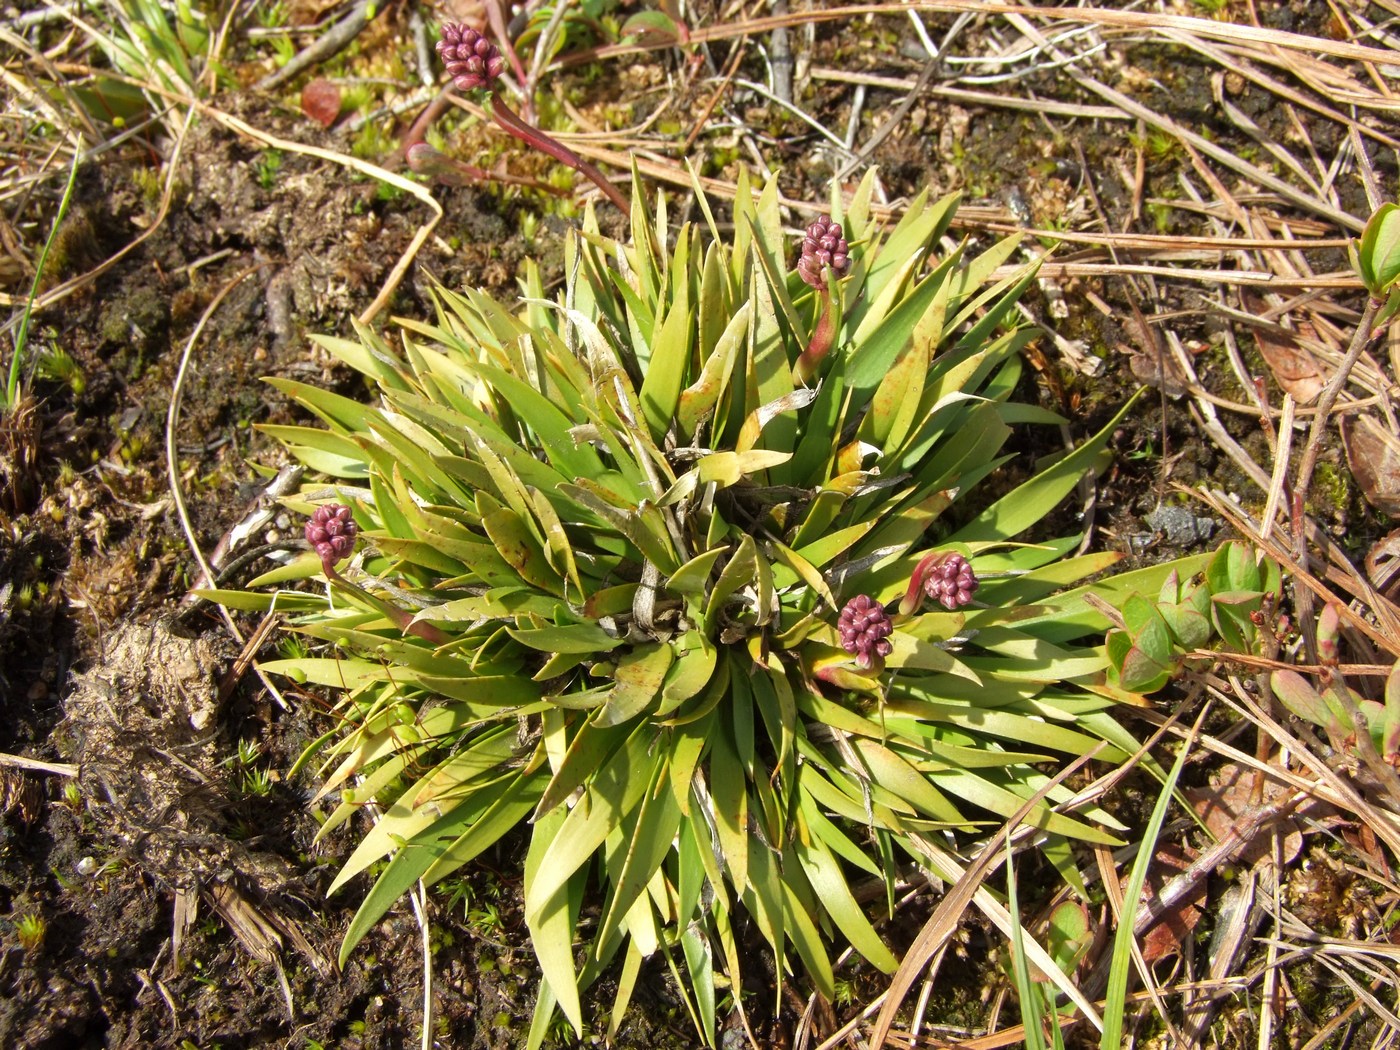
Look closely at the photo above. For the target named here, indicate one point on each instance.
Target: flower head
(823, 246)
(331, 531)
(944, 576)
(865, 629)
(472, 61)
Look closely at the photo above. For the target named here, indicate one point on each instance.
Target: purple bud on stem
(331, 531)
(865, 627)
(944, 576)
(823, 247)
(472, 61)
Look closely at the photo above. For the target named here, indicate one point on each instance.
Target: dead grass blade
(967, 886)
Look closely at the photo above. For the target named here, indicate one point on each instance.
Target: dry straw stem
(1326, 784)
(1141, 22)
(968, 887)
(1111, 254)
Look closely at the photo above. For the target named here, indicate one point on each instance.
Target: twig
(703, 117)
(326, 45)
(780, 57)
(1303, 484)
(422, 50)
(886, 129)
(34, 765)
(1199, 142)
(972, 98)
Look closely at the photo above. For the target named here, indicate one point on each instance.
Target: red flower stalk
(824, 250)
(331, 531)
(475, 63)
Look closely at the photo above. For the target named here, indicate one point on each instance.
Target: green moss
(1331, 489)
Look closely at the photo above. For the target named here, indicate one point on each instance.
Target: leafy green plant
(30, 929)
(13, 394)
(267, 167)
(1376, 258)
(604, 566)
(158, 54)
(1153, 643)
(1354, 725)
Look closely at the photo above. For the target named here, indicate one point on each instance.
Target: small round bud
(823, 247)
(865, 627)
(331, 531)
(472, 61)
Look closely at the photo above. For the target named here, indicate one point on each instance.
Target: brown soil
(182, 896)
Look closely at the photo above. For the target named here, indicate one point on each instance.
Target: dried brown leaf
(1383, 565)
(1170, 931)
(1373, 454)
(1151, 363)
(1230, 797)
(1292, 364)
(320, 100)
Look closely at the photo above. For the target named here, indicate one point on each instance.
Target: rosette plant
(633, 525)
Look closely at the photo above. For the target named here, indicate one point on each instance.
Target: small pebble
(1178, 526)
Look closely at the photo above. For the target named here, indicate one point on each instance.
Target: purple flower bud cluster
(865, 629)
(951, 583)
(472, 61)
(823, 246)
(331, 532)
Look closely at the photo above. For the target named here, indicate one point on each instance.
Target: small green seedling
(1152, 646)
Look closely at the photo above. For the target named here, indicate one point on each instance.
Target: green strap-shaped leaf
(340, 412)
(728, 784)
(489, 815)
(835, 894)
(657, 823)
(321, 450)
(897, 776)
(409, 814)
(740, 571)
(612, 795)
(349, 673)
(517, 545)
(367, 354)
(700, 967)
(691, 672)
(1030, 501)
(590, 747)
(697, 402)
(691, 577)
(670, 361)
(636, 682)
(551, 920)
(568, 638)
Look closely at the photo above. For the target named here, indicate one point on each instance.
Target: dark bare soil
(181, 896)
